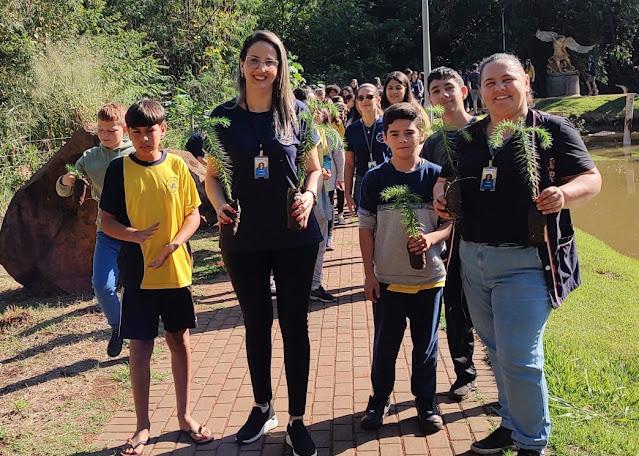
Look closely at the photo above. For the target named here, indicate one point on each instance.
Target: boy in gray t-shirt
(398, 291)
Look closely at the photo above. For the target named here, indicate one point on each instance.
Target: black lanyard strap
(371, 139)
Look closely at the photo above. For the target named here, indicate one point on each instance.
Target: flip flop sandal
(202, 438)
(130, 446)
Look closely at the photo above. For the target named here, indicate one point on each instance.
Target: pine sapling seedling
(222, 164)
(528, 163)
(450, 139)
(404, 200)
(307, 127)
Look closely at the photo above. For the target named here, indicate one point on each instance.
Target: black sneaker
(428, 416)
(374, 416)
(115, 344)
(460, 390)
(298, 438)
(258, 424)
(320, 294)
(497, 442)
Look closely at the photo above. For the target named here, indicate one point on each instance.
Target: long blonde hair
(283, 101)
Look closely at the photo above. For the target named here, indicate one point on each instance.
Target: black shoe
(115, 344)
(428, 416)
(522, 452)
(298, 438)
(374, 416)
(258, 424)
(320, 294)
(460, 390)
(497, 442)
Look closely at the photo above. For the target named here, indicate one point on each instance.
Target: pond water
(613, 215)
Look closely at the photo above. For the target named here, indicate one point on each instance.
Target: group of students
(483, 264)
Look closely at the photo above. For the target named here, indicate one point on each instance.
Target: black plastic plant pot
(454, 198)
(536, 226)
(291, 196)
(231, 228)
(80, 189)
(417, 260)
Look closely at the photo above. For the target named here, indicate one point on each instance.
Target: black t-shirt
(262, 201)
(367, 144)
(501, 216)
(433, 148)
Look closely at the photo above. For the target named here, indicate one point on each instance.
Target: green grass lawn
(592, 357)
(599, 106)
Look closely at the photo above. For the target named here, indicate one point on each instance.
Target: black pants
(340, 200)
(293, 271)
(459, 327)
(390, 314)
(340, 207)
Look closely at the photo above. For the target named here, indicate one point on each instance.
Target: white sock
(263, 407)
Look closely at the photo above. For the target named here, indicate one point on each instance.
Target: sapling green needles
(526, 154)
(404, 200)
(217, 156)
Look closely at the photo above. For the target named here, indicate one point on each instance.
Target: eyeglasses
(365, 97)
(255, 63)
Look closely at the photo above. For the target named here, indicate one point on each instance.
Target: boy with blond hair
(92, 165)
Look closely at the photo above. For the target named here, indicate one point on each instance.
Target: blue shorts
(143, 309)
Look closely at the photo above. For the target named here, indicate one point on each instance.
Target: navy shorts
(142, 310)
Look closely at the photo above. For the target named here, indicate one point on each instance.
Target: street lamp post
(503, 31)
(426, 40)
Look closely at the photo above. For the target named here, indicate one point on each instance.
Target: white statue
(560, 60)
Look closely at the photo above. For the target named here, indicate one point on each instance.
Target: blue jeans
(105, 277)
(390, 314)
(509, 305)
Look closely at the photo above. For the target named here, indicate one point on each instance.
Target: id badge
(260, 167)
(372, 164)
(488, 179)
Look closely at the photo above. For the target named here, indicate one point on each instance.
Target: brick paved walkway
(339, 384)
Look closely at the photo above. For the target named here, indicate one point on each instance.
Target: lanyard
(369, 140)
(255, 132)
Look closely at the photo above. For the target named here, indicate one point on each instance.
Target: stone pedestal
(562, 85)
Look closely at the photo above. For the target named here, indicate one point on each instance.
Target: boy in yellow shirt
(150, 202)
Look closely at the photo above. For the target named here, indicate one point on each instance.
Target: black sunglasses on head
(365, 97)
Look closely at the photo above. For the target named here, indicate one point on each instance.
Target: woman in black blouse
(264, 142)
(511, 282)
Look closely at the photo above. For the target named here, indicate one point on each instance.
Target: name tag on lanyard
(260, 166)
(488, 180)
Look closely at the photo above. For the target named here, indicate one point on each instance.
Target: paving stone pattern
(339, 383)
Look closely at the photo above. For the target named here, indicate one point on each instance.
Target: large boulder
(47, 242)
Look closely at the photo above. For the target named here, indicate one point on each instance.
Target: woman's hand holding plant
(551, 200)
(302, 208)
(440, 207)
(222, 217)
